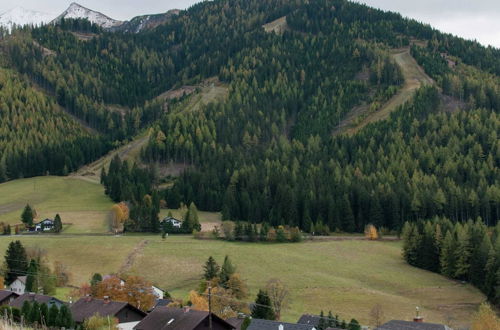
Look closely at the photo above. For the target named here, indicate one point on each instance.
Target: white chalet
(45, 225)
(19, 285)
(175, 222)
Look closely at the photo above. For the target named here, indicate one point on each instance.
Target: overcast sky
(471, 19)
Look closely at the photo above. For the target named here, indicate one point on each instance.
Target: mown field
(80, 203)
(347, 277)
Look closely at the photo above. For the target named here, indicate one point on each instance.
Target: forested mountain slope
(267, 152)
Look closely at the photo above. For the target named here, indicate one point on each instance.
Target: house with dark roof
(313, 320)
(257, 324)
(415, 325)
(18, 286)
(44, 225)
(171, 318)
(39, 298)
(7, 296)
(176, 223)
(88, 307)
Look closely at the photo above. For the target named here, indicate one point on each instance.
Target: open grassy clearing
(82, 204)
(277, 26)
(414, 76)
(347, 277)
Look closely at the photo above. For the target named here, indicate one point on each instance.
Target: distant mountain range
(20, 16)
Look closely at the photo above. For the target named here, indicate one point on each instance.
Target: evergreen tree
(478, 262)
(322, 323)
(57, 224)
(27, 216)
(16, 262)
(227, 271)
(462, 253)
(34, 316)
(447, 259)
(263, 309)
(354, 325)
(31, 285)
(44, 314)
(53, 316)
(65, 319)
(26, 310)
(211, 269)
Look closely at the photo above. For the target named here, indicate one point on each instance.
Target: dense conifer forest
(268, 152)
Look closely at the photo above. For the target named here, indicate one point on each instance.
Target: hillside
(84, 212)
(347, 277)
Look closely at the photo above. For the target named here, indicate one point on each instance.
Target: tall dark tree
(263, 308)
(27, 216)
(16, 261)
(211, 269)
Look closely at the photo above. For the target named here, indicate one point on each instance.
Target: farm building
(88, 306)
(39, 298)
(7, 296)
(181, 319)
(18, 286)
(176, 223)
(44, 225)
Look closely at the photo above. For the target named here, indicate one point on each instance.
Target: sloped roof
(87, 307)
(309, 319)
(171, 318)
(407, 325)
(4, 294)
(257, 324)
(39, 298)
(22, 279)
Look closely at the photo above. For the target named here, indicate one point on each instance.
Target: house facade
(176, 223)
(6, 297)
(18, 286)
(45, 225)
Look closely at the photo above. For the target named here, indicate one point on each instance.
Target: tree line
(467, 251)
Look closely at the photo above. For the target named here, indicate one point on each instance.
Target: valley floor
(348, 277)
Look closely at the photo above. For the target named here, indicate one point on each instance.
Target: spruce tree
(354, 325)
(262, 308)
(65, 319)
(57, 224)
(31, 285)
(16, 261)
(211, 269)
(26, 310)
(53, 316)
(448, 257)
(462, 253)
(27, 216)
(34, 316)
(226, 271)
(478, 262)
(44, 314)
(322, 323)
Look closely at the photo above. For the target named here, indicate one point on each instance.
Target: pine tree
(27, 216)
(462, 253)
(53, 316)
(44, 313)
(31, 285)
(57, 224)
(16, 261)
(478, 262)
(26, 310)
(65, 319)
(448, 256)
(226, 271)
(34, 316)
(262, 308)
(322, 323)
(354, 325)
(211, 269)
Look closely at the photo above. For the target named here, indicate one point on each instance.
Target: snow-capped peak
(19, 16)
(77, 11)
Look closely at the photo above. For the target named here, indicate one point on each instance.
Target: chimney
(106, 299)
(88, 298)
(418, 318)
(186, 309)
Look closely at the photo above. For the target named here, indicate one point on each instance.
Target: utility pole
(210, 307)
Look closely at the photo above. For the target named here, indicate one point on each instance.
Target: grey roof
(257, 324)
(171, 318)
(85, 308)
(407, 325)
(5, 294)
(22, 279)
(39, 298)
(309, 319)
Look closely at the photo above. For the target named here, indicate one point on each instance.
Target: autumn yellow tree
(371, 232)
(98, 322)
(139, 292)
(119, 213)
(111, 287)
(485, 319)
